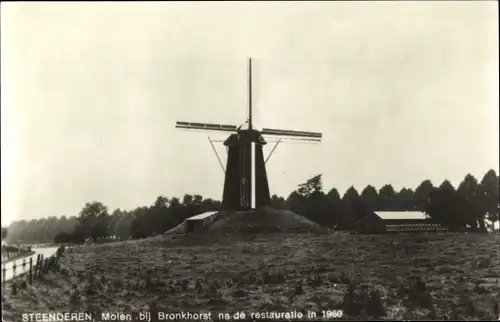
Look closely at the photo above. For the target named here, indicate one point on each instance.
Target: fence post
(31, 271)
(14, 271)
(38, 264)
(35, 268)
(41, 265)
(4, 273)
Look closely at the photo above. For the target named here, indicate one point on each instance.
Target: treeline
(96, 223)
(41, 230)
(465, 207)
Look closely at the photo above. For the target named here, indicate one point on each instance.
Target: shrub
(74, 298)
(349, 303)
(299, 290)
(316, 281)
(239, 293)
(375, 307)
(418, 295)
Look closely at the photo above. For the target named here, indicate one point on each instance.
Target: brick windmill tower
(246, 186)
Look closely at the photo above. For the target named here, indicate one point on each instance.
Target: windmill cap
(245, 126)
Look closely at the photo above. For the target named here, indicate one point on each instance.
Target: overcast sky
(402, 92)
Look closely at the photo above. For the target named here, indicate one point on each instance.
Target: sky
(402, 92)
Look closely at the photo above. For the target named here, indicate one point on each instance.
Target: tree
(174, 202)
(386, 197)
(211, 205)
(93, 220)
(450, 209)
(488, 196)
(140, 225)
(353, 208)
(187, 200)
(161, 202)
(4, 233)
(311, 186)
(421, 194)
(446, 185)
(404, 200)
(469, 189)
(63, 237)
(317, 209)
(198, 200)
(369, 196)
(123, 227)
(310, 201)
(297, 203)
(334, 204)
(115, 216)
(278, 202)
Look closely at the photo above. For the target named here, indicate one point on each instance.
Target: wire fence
(10, 253)
(29, 269)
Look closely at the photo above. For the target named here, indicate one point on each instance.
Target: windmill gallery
(246, 185)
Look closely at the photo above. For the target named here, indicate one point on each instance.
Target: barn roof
(401, 215)
(203, 215)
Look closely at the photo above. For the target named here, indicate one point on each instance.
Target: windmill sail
(279, 132)
(205, 126)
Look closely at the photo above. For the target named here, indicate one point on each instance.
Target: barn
(200, 222)
(396, 221)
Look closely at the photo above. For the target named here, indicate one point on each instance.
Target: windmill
(245, 185)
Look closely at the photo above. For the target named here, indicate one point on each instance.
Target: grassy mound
(264, 220)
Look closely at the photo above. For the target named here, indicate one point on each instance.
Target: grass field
(399, 276)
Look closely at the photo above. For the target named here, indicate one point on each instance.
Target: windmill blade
(205, 126)
(279, 132)
(303, 139)
(285, 141)
(296, 140)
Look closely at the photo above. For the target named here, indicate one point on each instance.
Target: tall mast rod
(250, 93)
